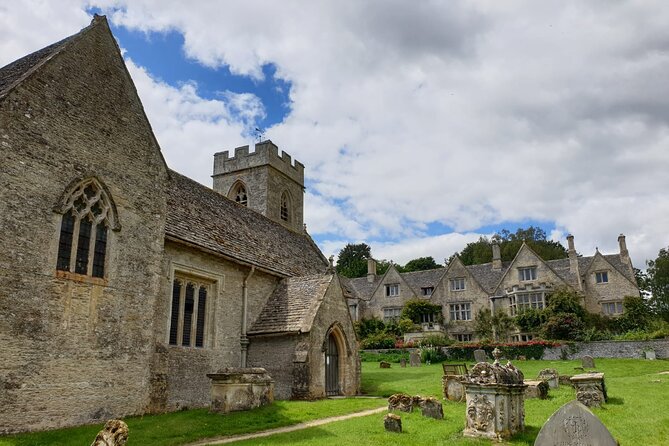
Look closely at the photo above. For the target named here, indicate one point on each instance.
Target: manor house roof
(200, 216)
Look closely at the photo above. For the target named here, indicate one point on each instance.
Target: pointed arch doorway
(332, 366)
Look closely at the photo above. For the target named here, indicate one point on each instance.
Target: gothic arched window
(88, 214)
(239, 194)
(285, 206)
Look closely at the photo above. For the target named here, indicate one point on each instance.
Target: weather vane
(259, 134)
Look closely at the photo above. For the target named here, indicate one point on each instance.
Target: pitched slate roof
(487, 277)
(12, 74)
(200, 216)
(422, 279)
(359, 287)
(292, 306)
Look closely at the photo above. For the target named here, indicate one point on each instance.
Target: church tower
(263, 181)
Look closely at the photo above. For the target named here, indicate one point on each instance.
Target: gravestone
(587, 362)
(114, 433)
(590, 389)
(414, 359)
(392, 423)
(574, 425)
(536, 389)
(384, 365)
(551, 376)
(432, 408)
(650, 354)
(453, 387)
(564, 380)
(236, 388)
(403, 402)
(480, 356)
(403, 363)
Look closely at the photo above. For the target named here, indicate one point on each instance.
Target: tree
(636, 315)
(416, 308)
(420, 264)
(480, 251)
(564, 315)
(658, 283)
(486, 323)
(352, 260)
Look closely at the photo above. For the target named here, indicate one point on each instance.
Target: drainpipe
(243, 339)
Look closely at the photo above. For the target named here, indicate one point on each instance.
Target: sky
(422, 125)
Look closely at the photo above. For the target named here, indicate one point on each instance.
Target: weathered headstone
(536, 389)
(480, 356)
(574, 425)
(384, 365)
(551, 376)
(414, 359)
(590, 389)
(432, 408)
(403, 362)
(587, 362)
(114, 433)
(453, 387)
(392, 423)
(564, 380)
(403, 402)
(650, 354)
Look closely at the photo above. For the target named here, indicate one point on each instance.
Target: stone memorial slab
(650, 354)
(587, 362)
(432, 408)
(235, 388)
(480, 356)
(392, 423)
(574, 425)
(453, 387)
(564, 380)
(403, 402)
(403, 363)
(114, 433)
(536, 389)
(414, 359)
(590, 389)
(551, 376)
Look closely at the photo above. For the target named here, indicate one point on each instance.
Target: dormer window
(528, 273)
(427, 290)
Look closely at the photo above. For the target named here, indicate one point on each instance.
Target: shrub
(378, 340)
(416, 308)
(531, 349)
(432, 354)
(435, 340)
(389, 356)
(636, 315)
(367, 327)
(530, 320)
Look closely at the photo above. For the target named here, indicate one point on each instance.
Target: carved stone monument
(453, 387)
(236, 388)
(392, 423)
(551, 377)
(495, 406)
(114, 433)
(574, 425)
(414, 358)
(590, 389)
(587, 362)
(403, 402)
(480, 355)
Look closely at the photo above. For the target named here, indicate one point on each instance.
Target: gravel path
(281, 430)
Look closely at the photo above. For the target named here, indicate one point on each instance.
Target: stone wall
(77, 349)
(609, 349)
(276, 354)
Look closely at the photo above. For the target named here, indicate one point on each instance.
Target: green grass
(187, 426)
(635, 414)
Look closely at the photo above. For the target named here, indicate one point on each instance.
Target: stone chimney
(624, 254)
(371, 270)
(573, 259)
(496, 256)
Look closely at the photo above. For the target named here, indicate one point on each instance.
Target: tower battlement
(266, 153)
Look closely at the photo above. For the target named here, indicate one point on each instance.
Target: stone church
(602, 281)
(123, 283)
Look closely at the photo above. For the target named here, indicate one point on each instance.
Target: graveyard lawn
(635, 414)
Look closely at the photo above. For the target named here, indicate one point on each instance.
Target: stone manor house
(123, 283)
(525, 282)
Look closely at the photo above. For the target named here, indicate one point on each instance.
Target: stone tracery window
(87, 217)
(189, 310)
(285, 206)
(239, 194)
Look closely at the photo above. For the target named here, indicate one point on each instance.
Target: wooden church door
(332, 367)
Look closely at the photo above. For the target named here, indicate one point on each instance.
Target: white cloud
(466, 114)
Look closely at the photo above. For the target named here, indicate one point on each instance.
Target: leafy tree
(420, 264)
(480, 251)
(416, 308)
(485, 323)
(658, 283)
(530, 320)
(382, 266)
(352, 260)
(564, 300)
(367, 327)
(636, 314)
(503, 324)
(564, 326)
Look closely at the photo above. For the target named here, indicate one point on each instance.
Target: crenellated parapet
(266, 153)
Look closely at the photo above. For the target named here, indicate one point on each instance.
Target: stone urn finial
(496, 354)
